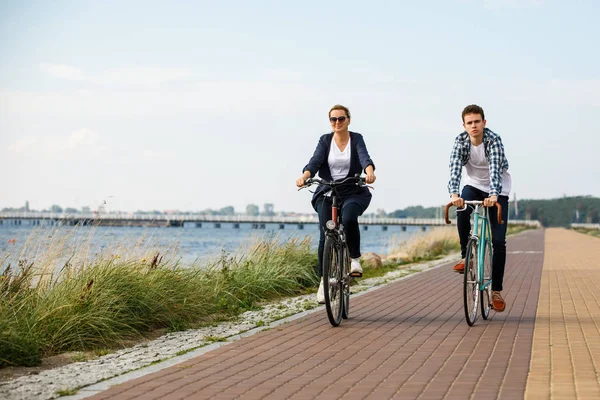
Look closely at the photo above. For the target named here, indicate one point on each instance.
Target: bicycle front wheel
(471, 282)
(345, 282)
(332, 282)
(486, 293)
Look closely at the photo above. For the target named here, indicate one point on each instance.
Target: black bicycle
(336, 258)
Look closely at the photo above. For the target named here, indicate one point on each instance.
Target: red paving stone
(408, 339)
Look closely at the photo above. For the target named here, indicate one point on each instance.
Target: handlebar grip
(446, 213)
(500, 221)
(498, 206)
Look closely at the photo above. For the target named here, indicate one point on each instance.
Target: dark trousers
(350, 212)
(498, 232)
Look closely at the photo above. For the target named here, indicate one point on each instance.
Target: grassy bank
(591, 232)
(111, 301)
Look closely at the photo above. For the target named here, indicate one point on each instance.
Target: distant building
(252, 210)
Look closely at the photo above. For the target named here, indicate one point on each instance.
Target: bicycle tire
(471, 283)
(331, 281)
(486, 294)
(345, 282)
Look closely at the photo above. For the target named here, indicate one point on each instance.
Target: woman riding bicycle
(338, 155)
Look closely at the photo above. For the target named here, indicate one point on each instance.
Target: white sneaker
(355, 268)
(321, 293)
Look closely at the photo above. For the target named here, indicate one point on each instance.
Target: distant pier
(199, 221)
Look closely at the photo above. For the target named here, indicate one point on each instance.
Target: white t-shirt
(478, 172)
(339, 161)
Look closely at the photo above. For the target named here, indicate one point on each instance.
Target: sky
(189, 105)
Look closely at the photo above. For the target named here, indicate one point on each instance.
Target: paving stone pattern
(408, 339)
(566, 346)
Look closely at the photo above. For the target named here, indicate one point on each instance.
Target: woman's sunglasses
(335, 119)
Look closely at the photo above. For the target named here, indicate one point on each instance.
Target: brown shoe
(498, 302)
(460, 267)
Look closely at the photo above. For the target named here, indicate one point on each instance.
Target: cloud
(513, 3)
(63, 71)
(82, 139)
(142, 75)
(205, 98)
(153, 155)
(22, 145)
(282, 75)
(119, 76)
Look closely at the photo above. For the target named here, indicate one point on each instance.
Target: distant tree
(268, 209)
(70, 210)
(592, 215)
(252, 210)
(558, 212)
(56, 209)
(414, 212)
(27, 206)
(86, 209)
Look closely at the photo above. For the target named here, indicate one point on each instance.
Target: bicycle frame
(476, 228)
(335, 224)
(481, 233)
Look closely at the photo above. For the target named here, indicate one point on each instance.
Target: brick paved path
(408, 339)
(566, 346)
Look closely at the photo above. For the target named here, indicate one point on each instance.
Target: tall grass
(425, 246)
(111, 298)
(435, 243)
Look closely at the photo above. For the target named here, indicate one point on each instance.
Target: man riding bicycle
(481, 152)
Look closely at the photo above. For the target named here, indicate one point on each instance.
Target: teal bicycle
(477, 289)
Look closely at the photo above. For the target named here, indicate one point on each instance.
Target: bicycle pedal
(356, 274)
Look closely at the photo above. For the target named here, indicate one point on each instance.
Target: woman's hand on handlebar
(302, 180)
(370, 175)
(370, 178)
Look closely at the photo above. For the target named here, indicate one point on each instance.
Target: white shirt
(478, 172)
(339, 161)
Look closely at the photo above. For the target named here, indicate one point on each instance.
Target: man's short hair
(473, 109)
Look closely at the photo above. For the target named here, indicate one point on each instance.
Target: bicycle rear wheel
(345, 282)
(486, 294)
(471, 283)
(332, 282)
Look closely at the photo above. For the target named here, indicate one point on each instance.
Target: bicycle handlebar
(348, 180)
(473, 202)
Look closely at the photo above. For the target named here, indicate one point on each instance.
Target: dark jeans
(498, 232)
(350, 212)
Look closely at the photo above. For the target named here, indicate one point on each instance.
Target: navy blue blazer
(359, 161)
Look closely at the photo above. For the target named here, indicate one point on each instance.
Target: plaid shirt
(494, 153)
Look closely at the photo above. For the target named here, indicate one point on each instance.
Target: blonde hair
(340, 107)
